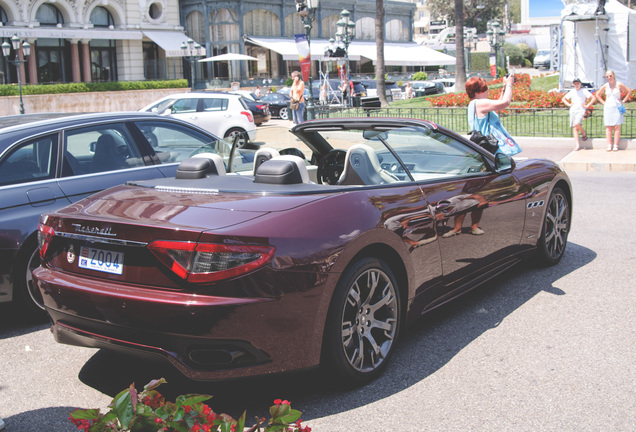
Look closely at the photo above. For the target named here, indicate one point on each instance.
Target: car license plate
(101, 260)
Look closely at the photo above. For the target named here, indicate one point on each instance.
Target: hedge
(29, 89)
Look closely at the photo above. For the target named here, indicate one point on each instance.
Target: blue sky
(544, 8)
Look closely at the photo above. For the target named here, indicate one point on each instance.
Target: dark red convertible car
(320, 254)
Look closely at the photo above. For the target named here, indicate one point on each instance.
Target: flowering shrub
(148, 411)
(522, 96)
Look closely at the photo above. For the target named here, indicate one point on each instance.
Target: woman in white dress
(611, 96)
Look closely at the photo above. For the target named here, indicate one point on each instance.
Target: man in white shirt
(578, 100)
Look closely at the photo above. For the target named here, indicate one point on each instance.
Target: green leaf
(291, 417)
(154, 384)
(85, 414)
(124, 408)
(241, 422)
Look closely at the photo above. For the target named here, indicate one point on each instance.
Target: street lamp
(496, 38)
(469, 40)
(26, 52)
(345, 33)
(307, 11)
(191, 51)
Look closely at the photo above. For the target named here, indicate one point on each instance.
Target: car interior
(319, 159)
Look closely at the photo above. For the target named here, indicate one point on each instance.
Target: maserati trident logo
(85, 229)
(70, 255)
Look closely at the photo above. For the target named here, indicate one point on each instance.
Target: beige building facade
(92, 40)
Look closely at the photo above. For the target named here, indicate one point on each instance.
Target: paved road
(534, 350)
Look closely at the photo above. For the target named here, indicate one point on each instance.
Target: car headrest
(285, 169)
(264, 154)
(200, 166)
(361, 167)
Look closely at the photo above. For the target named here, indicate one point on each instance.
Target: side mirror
(504, 163)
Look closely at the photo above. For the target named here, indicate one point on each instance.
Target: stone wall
(130, 100)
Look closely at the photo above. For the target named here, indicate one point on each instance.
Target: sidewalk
(593, 157)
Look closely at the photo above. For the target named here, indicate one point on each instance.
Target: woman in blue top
(480, 107)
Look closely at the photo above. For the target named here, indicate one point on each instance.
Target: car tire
(555, 229)
(25, 290)
(284, 114)
(233, 131)
(363, 322)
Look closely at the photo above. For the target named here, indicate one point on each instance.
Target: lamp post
(496, 38)
(190, 51)
(469, 40)
(17, 62)
(345, 33)
(307, 11)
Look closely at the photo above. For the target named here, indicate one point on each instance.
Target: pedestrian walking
(408, 91)
(297, 94)
(578, 100)
(257, 92)
(610, 95)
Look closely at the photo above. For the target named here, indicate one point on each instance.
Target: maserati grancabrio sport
(320, 252)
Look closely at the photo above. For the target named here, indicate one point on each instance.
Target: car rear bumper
(204, 337)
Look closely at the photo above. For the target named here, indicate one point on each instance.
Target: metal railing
(547, 122)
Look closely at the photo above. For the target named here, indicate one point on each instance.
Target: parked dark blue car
(50, 161)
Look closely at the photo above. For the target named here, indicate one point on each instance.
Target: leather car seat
(362, 167)
(106, 157)
(264, 154)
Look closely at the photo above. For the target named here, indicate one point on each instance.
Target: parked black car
(278, 105)
(259, 109)
(48, 161)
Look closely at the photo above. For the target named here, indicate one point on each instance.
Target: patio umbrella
(228, 56)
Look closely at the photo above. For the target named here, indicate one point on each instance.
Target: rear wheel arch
(387, 262)
(27, 258)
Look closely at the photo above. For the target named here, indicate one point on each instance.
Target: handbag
(619, 105)
(294, 104)
(487, 142)
(505, 143)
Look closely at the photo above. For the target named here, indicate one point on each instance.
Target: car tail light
(45, 235)
(248, 115)
(261, 107)
(202, 263)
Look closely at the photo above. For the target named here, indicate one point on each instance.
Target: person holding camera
(578, 100)
(610, 96)
(481, 115)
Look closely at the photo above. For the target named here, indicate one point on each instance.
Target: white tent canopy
(228, 57)
(395, 54)
(592, 44)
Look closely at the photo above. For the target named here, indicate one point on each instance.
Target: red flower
(158, 420)
(187, 408)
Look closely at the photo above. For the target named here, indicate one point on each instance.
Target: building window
(224, 26)
(100, 17)
(365, 29)
(195, 27)
(261, 22)
(395, 31)
(52, 63)
(329, 26)
(103, 52)
(294, 25)
(49, 16)
(4, 65)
